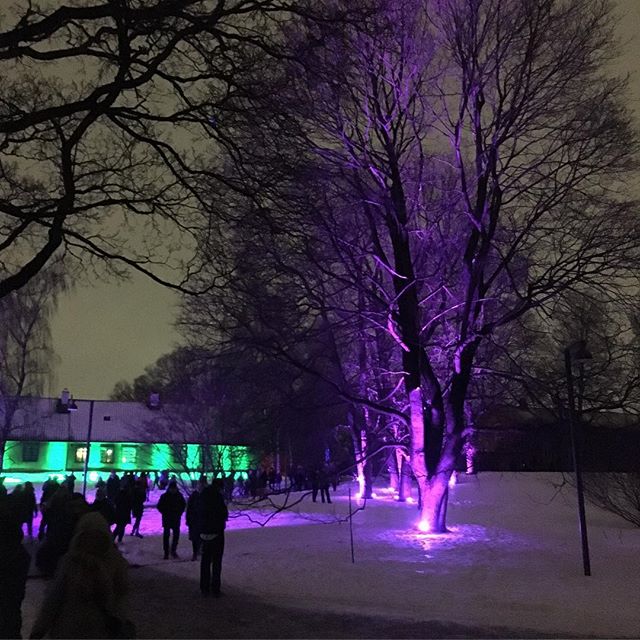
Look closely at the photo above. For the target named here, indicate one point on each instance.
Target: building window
(107, 454)
(129, 455)
(30, 451)
(179, 454)
(80, 454)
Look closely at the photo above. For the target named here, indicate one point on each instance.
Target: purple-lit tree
(456, 164)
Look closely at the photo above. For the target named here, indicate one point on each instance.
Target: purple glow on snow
(410, 500)
(453, 480)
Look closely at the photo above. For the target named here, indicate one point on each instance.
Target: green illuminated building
(49, 439)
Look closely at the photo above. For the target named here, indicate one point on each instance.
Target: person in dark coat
(29, 506)
(64, 512)
(194, 514)
(324, 481)
(102, 506)
(138, 498)
(113, 486)
(213, 522)
(171, 505)
(70, 481)
(123, 513)
(49, 488)
(14, 565)
(88, 596)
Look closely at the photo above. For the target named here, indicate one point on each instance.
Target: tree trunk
(360, 450)
(434, 504)
(405, 479)
(418, 461)
(394, 472)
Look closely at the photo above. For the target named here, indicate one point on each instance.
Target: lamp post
(87, 450)
(577, 352)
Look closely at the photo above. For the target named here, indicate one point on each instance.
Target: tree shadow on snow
(169, 606)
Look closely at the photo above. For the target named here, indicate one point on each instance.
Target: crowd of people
(317, 479)
(79, 541)
(78, 549)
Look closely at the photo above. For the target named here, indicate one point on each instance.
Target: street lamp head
(578, 351)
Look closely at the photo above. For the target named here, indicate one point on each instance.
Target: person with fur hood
(88, 594)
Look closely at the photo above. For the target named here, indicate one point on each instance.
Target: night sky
(109, 332)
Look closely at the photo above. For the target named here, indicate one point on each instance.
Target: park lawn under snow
(512, 559)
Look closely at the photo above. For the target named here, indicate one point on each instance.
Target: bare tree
(458, 164)
(26, 356)
(527, 366)
(106, 109)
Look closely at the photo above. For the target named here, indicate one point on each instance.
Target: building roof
(515, 418)
(112, 421)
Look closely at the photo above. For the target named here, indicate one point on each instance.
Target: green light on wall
(56, 456)
(161, 457)
(129, 456)
(60, 457)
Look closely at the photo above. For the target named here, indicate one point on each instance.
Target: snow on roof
(112, 421)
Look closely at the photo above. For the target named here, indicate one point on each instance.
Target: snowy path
(511, 567)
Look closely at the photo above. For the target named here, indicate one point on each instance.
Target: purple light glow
(453, 480)
(424, 526)
(410, 500)
(361, 485)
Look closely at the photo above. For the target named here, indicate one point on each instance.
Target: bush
(618, 493)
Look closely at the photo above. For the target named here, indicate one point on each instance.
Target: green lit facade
(61, 458)
(119, 436)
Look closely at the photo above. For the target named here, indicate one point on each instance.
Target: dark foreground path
(170, 607)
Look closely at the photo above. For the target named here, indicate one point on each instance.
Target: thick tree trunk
(434, 504)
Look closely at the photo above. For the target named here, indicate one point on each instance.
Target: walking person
(29, 507)
(194, 515)
(171, 505)
(123, 513)
(113, 487)
(138, 497)
(213, 522)
(87, 598)
(103, 507)
(324, 483)
(49, 488)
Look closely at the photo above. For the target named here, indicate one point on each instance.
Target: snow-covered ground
(512, 559)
